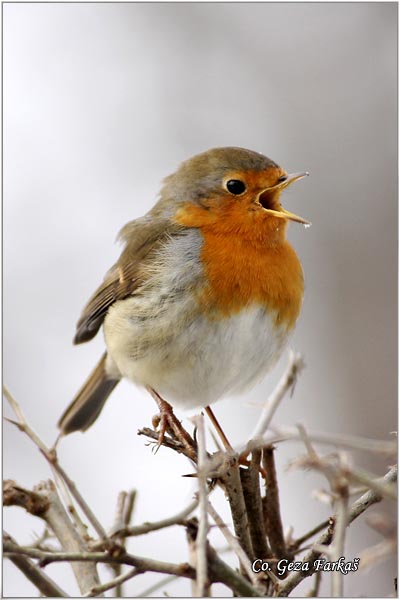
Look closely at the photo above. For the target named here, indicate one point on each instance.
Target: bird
(205, 294)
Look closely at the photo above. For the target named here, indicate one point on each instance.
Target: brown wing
(143, 237)
(118, 284)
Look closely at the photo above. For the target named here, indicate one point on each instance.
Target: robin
(205, 294)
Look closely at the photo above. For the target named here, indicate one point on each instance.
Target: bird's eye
(235, 187)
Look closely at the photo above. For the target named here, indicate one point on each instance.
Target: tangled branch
(249, 479)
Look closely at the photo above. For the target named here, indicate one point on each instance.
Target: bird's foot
(167, 421)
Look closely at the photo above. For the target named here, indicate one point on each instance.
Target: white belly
(192, 362)
(156, 338)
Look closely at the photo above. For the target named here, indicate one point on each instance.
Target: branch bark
(271, 506)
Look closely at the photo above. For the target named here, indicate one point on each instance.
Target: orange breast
(247, 261)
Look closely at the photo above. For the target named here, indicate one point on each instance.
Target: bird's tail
(89, 401)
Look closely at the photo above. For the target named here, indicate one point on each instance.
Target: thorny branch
(271, 508)
(219, 571)
(249, 480)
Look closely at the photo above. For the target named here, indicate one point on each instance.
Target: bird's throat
(240, 274)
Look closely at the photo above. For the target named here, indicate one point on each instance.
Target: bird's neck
(253, 227)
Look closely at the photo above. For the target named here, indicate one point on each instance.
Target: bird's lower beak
(285, 214)
(281, 212)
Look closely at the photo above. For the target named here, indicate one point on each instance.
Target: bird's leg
(218, 428)
(168, 419)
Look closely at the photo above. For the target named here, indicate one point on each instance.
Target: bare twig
(142, 564)
(202, 585)
(307, 442)
(370, 481)
(242, 486)
(45, 585)
(113, 583)
(357, 508)
(218, 428)
(337, 465)
(337, 471)
(192, 528)
(337, 546)
(219, 571)
(80, 500)
(287, 381)
(154, 588)
(67, 498)
(51, 457)
(129, 506)
(178, 519)
(371, 497)
(123, 513)
(119, 521)
(352, 442)
(296, 544)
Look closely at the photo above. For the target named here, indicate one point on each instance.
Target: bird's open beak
(282, 213)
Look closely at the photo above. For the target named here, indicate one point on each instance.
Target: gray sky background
(101, 101)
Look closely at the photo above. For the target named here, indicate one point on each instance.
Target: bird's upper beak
(281, 212)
